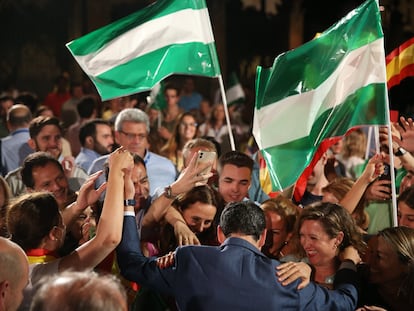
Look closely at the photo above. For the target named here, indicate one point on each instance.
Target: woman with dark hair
(198, 207)
(36, 224)
(184, 131)
(324, 230)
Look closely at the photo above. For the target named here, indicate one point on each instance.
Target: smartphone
(387, 173)
(206, 156)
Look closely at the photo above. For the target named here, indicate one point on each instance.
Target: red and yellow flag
(400, 63)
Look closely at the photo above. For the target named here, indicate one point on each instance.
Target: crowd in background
(75, 170)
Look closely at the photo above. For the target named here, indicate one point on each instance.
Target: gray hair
(133, 115)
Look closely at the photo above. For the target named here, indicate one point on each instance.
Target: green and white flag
(234, 93)
(156, 98)
(320, 90)
(136, 52)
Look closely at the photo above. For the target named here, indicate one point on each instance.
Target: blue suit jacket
(233, 276)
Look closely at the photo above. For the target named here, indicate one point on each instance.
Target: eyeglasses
(132, 136)
(188, 124)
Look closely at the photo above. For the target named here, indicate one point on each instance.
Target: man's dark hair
(236, 158)
(33, 160)
(38, 123)
(89, 129)
(243, 218)
(86, 106)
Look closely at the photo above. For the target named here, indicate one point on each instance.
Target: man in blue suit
(234, 275)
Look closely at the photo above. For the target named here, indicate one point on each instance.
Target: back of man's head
(38, 123)
(14, 272)
(236, 158)
(86, 107)
(19, 116)
(80, 291)
(245, 218)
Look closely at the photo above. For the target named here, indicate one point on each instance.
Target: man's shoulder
(14, 174)
(157, 159)
(98, 163)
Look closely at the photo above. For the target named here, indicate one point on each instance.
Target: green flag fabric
(234, 93)
(320, 90)
(136, 52)
(156, 97)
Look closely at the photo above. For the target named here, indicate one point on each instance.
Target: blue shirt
(161, 171)
(14, 149)
(190, 102)
(85, 158)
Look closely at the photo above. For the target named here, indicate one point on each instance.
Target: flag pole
(393, 191)
(226, 112)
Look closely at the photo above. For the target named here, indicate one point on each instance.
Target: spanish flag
(400, 63)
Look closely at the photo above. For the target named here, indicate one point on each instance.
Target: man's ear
(262, 239)
(220, 235)
(4, 287)
(32, 144)
(89, 142)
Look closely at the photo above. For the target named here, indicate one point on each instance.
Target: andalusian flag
(320, 90)
(133, 54)
(400, 63)
(156, 98)
(234, 93)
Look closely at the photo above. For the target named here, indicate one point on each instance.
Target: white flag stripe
(183, 27)
(235, 92)
(343, 82)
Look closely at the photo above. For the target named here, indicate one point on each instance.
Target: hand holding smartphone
(204, 157)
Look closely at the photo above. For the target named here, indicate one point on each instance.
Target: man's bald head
(18, 116)
(14, 274)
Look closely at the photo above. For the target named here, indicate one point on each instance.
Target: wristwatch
(130, 202)
(400, 152)
(168, 193)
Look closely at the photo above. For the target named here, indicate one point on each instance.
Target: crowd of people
(106, 206)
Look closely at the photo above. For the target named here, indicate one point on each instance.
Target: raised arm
(405, 139)
(374, 168)
(109, 228)
(86, 197)
(161, 207)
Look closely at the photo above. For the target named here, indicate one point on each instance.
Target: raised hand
(406, 131)
(68, 164)
(121, 160)
(379, 190)
(87, 193)
(374, 168)
(191, 176)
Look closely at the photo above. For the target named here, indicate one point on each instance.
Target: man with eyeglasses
(131, 131)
